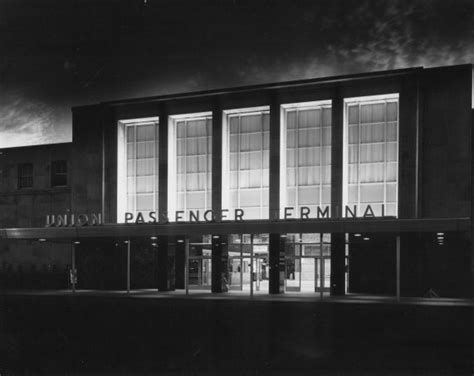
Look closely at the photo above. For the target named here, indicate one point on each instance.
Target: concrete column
(336, 154)
(398, 267)
(128, 265)
(180, 266)
(277, 266)
(274, 188)
(338, 267)
(73, 268)
(219, 250)
(337, 240)
(166, 253)
(186, 265)
(163, 159)
(219, 263)
(217, 159)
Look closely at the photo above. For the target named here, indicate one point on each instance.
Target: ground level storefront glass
(418, 264)
(248, 263)
(200, 263)
(307, 262)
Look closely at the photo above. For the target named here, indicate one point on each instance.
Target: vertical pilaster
(164, 283)
(163, 159)
(274, 181)
(275, 249)
(337, 240)
(219, 251)
(409, 145)
(217, 159)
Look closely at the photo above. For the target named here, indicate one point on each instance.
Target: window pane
(372, 153)
(308, 145)
(193, 163)
(141, 163)
(248, 162)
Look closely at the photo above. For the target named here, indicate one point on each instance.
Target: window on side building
(59, 173)
(25, 175)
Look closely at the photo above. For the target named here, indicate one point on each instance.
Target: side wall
(28, 207)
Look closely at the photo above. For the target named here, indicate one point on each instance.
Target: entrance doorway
(200, 264)
(307, 262)
(248, 267)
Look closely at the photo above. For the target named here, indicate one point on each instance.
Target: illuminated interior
(245, 161)
(137, 166)
(190, 163)
(371, 153)
(305, 155)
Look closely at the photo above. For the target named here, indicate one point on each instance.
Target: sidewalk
(245, 295)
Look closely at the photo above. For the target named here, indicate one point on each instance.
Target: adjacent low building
(349, 184)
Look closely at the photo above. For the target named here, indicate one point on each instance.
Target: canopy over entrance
(241, 227)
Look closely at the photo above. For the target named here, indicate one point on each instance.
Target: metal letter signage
(68, 220)
(288, 213)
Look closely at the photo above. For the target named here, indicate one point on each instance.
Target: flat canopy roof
(242, 227)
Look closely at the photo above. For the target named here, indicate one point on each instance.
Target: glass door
(248, 267)
(304, 255)
(200, 264)
(323, 273)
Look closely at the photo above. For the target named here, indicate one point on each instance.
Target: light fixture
(42, 240)
(283, 236)
(215, 236)
(154, 244)
(180, 241)
(366, 238)
(77, 242)
(126, 241)
(440, 233)
(357, 235)
(153, 237)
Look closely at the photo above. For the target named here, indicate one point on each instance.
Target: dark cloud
(57, 54)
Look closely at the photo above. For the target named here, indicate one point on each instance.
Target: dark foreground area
(110, 335)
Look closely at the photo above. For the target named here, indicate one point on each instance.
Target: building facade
(351, 184)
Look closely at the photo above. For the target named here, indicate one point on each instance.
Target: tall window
(59, 173)
(137, 167)
(305, 175)
(245, 161)
(25, 175)
(371, 153)
(190, 163)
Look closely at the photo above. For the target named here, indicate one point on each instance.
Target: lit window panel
(246, 161)
(137, 162)
(190, 163)
(371, 154)
(305, 157)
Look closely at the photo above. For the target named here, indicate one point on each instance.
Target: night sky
(55, 54)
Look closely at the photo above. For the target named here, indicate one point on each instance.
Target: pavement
(258, 296)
